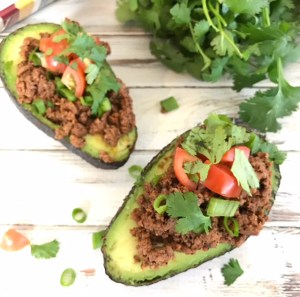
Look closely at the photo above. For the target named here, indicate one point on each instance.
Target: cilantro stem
(208, 18)
(266, 16)
(280, 72)
(206, 59)
(216, 12)
(231, 41)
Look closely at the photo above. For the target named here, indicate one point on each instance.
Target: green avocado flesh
(119, 246)
(95, 144)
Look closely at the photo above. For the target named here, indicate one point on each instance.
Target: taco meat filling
(75, 120)
(156, 235)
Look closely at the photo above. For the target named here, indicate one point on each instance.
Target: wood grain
(41, 182)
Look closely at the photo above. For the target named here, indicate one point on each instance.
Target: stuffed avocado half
(59, 78)
(201, 196)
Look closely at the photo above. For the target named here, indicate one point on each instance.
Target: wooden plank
(273, 271)
(195, 105)
(43, 187)
(97, 16)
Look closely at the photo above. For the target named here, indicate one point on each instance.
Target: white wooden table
(41, 182)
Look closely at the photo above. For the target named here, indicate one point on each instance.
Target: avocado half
(119, 246)
(95, 144)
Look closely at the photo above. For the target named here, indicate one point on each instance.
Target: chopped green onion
(106, 105)
(159, 204)
(64, 91)
(79, 215)
(98, 239)
(68, 277)
(39, 106)
(135, 171)
(235, 231)
(86, 100)
(222, 208)
(168, 104)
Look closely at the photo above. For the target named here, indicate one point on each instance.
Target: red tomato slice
(229, 156)
(74, 78)
(221, 180)
(48, 44)
(13, 241)
(181, 156)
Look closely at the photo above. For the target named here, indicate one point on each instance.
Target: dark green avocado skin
(133, 195)
(98, 163)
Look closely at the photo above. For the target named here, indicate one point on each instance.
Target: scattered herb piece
(169, 104)
(185, 208)
(249, 40)
(79, 215)
(98, 239)
(231, 271)
(68, 277)
(46, 250)
(135, 171)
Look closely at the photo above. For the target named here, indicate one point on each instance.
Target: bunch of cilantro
(249, 40)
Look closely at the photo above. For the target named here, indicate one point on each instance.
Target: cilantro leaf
(275, 103)
(185, 208)
(244, 172)
(251, 7)
(197, 167)
(215, 139)
(259, 145)
(73, 28)
(104, 82)
(222, 43)
(91, 73)
(181, 13)
(46, 250)
(200, 29)
(231, 271)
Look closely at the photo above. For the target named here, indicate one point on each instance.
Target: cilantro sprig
(249, 40)
(184, 207)
(231, 271)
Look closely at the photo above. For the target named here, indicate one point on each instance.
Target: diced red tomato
(181, 157)
(52, 49)
(47, 43)
(229, 156)
(74, 78)
(13, 241)
(53, 65)
(221, 180)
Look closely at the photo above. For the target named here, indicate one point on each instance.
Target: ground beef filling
(157, 239)
(74, 119)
